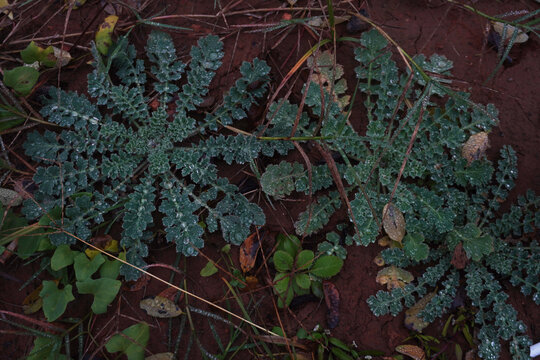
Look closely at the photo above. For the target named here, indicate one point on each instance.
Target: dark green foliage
(133, 160)
(446, 200)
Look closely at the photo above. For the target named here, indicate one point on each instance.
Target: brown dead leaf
(521, 37)
(160, 307)
(251, 283)
(393, 222)
(248, 252)
(170, 293)
(331, 297)
(161, 356)
(394, 277)
(136, 285)
(33, 302)
(475, 147)
(459, 259)
(412, 351)
(412, 320)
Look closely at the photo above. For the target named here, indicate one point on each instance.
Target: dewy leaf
(415, 248)
(283, 261)
(103, 35)
(103, 289)
(21, 79)
(132, 343)
(279, 180)
(160, 307)
(55, 300)
(393, 222)
(476, 244)
(326, 266)
(63, 256)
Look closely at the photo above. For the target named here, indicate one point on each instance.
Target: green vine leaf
(55, 300)
(132, 341)
(103, 289)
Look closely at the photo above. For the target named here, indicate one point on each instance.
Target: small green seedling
(299, 272)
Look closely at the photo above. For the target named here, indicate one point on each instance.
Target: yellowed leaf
(412, 320)
(412, 351)
(5, 3)
(103, 35)
(248, 252)
(379, 261)
(160, 307)
(33, 302)
(106, 243)
(394, 277)
(393, 222)
(475, 147)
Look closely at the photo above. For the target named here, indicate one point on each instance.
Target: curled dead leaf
(394, 277)
(412, 351)
(248, 252)
(160, 307)
(475, 147)
(331, 297)
(393, 222)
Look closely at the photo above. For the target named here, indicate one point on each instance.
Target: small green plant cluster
(94, 275)
(299, 271)
(132, 161)
(421, 159)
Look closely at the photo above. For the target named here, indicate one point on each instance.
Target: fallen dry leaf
(160, 307)
(394, 277)
(331, 297)
(412, 351)
(393, 222)
(475, 147)
(521, 37)
(248, 252)
(459, 259)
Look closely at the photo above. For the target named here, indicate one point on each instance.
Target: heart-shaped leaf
(63, 256)
(21, 79)
(55, 300)
(104, 291)
(84, 267)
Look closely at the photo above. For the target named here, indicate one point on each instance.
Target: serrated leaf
(475, 243)
(326, 266)
(415, 248)
(302, 280)
(283, 261)
(304, 259)
(132, 342)
(55, 300)
(279, 180)
(103, 289)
